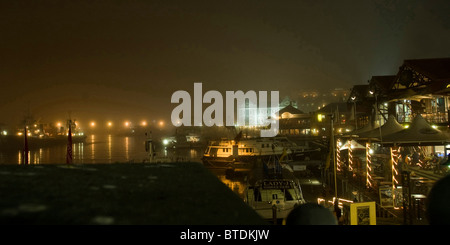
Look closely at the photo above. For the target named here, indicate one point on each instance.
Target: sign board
(363, 213)
(386, 196)
(277, 184)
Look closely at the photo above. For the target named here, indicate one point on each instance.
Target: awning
(419, 132)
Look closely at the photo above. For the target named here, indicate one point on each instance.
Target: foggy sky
(111, 60)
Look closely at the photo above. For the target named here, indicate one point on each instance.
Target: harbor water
(107, 149)
(98, 149)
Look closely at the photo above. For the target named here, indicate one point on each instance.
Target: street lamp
(334, 153)
(354, 110)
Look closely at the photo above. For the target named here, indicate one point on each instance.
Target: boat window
(267, 195)
(262, 145)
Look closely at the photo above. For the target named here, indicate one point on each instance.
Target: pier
(119, 194)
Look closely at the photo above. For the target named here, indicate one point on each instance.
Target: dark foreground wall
(162, 194)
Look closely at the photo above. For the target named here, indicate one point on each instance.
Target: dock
(119, 194)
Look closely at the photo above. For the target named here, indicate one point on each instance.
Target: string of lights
(394, 160)
(350, 156)
(369, 179)
(338, 154)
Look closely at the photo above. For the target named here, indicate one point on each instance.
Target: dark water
(97, 149)
(116, 149)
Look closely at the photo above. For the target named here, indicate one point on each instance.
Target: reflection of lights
(165, 141)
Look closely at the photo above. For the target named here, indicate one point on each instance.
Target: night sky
(114, 60)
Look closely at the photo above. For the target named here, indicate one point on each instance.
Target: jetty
(119, 194)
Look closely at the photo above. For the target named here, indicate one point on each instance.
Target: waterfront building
(294, 122)
(422, 86)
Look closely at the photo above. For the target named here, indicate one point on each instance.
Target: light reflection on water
(96, 149)
(116, 149)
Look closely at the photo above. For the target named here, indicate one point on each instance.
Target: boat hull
(229, 162)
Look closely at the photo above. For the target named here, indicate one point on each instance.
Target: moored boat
(273, 191)
(228, 153)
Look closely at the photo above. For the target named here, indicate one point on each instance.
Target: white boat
(228, 153)
(273, 192)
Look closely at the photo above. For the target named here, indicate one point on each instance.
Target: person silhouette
(438, 202)
(311, 214)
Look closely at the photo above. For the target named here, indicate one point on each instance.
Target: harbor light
(109, 124)
(144, 123)
(161, 123)
(92, 124)
(127, 124)
(320, 117)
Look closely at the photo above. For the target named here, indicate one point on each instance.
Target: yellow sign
(363, 213)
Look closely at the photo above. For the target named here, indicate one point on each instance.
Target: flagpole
(69, 144)
(334, 153)
(25, 151)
